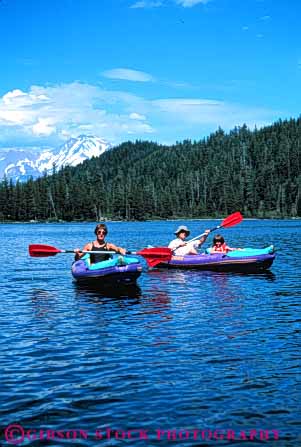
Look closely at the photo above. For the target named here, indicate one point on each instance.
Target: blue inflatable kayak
(246, 260)
(120, 270)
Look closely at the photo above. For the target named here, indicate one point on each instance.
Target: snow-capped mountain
(21, 165)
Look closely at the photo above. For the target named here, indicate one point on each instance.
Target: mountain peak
(73, 152)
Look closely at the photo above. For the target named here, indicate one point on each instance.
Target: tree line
(256, 172)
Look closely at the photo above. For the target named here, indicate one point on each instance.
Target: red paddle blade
(232, 220)
(156, 255)
(41, 251)
(152, 262)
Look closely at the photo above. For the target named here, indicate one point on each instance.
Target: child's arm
(232, 249)
(213, 251)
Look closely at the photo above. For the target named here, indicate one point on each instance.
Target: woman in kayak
(180, 247)
(99, 244)
(219, 245)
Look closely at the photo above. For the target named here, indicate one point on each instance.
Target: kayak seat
(249, 252)
(116, 261)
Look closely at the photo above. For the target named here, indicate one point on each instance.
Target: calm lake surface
(184, 351)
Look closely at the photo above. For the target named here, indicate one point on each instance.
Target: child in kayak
(219, 245)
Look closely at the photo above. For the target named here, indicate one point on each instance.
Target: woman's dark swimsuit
(95, 257)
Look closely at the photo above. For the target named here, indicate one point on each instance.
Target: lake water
(184, 359)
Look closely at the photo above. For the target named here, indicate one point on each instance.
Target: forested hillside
(256, 172)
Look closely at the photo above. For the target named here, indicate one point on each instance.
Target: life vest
(95, 257)
(222, 248)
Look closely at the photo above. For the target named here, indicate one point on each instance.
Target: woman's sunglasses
(101, 232)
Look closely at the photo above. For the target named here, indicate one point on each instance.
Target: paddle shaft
(229, 221)
(105, 252)
(198, 237)
(204, 234)
(153, 256)
(100, 252)
(92, 251)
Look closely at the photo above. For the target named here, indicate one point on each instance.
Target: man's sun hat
(182, 228)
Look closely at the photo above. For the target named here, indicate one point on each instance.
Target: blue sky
(161, 70)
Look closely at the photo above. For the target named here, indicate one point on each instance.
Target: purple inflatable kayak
(248, 260)
(112, 272)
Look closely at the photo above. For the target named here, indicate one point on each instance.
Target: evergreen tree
(257, 172)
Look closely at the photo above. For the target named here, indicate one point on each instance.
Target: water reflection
(183, 276)
(184, 348)
(265, 275)
(43, 302)
(92, 292)
(157, 302)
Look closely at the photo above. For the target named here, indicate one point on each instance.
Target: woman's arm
(113, 247)
(78, 251)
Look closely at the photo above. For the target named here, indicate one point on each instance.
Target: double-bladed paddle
(229, 221)
(153, 256)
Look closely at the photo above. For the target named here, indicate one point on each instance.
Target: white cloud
(46, 116)
(200, 112)
(13, 117)
(22, 99)
(128, 75)
(146, 4)
(43, 127)
(190, 3)
(264, 18)
(137, 116)
(10, 96)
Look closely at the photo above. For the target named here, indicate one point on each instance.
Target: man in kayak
(100, 245)
(180, 247)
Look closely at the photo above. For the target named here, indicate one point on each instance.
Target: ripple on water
(183, 349)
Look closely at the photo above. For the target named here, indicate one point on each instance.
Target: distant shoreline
(141, 221)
